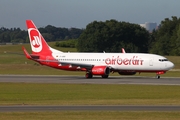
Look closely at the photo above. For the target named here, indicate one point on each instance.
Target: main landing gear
(89, 75)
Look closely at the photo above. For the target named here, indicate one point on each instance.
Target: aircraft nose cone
(171, 65)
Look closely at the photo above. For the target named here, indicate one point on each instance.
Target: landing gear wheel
(88, 75)
(105, 76)
(158, 76)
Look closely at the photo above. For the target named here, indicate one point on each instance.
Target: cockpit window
(162, 60)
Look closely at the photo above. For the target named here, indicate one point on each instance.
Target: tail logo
(35, 39)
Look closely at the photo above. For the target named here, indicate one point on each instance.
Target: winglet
(123, 51)
(26, 53)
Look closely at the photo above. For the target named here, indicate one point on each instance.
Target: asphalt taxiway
(94, 80)
(87, 108)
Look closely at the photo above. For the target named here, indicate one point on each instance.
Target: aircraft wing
(82, 65)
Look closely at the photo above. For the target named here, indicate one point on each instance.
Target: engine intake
(100, 70)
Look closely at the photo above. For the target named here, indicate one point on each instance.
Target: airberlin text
(124, 61)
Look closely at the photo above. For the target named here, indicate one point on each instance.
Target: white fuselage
(118, 61)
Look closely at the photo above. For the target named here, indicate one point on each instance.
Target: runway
(95, 80)
(83, 80)
(87, 108)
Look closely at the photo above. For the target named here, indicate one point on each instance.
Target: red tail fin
(38, 44)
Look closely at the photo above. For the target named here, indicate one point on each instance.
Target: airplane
(101, 64)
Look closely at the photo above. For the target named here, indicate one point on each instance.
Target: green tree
(111, 36)
(177, 47)
(166, 38)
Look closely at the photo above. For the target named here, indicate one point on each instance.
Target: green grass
(87, 94)
(18, 64)
(89, 115)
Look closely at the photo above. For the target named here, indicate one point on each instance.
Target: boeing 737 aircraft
(93, 63)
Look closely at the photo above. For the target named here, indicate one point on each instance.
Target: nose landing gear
(159, 73)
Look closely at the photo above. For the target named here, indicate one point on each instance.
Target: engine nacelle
(100, 70)
(127, 72)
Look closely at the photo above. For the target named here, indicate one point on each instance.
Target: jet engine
(100, 70)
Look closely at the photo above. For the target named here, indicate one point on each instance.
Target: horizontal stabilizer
(26, 53)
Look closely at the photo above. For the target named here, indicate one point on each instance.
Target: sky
(79, 13)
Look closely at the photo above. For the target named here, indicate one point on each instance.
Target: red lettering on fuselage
(126, 61)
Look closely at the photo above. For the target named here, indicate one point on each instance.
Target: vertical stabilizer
(38, 44)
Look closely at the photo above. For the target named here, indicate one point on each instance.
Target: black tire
(158, 77)
(105, 76)
(88, 75)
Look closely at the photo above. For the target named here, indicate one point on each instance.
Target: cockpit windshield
(162, 60)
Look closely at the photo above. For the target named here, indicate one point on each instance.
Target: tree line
(166, 40)
(50, 33)
(112, 35)
(108, 36)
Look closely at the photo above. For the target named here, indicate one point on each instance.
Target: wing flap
(82, 65)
